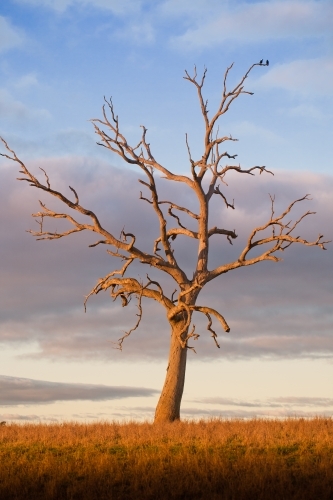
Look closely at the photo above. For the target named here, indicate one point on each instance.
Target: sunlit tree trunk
(168, 407)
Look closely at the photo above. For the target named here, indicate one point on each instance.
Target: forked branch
(280, 239)
(209, 310)
(95, 226)
(228, 96)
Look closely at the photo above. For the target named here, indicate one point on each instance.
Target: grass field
(234, 460)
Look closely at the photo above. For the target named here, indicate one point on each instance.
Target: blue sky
(57, 60)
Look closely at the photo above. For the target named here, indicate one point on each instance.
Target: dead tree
(205, 177)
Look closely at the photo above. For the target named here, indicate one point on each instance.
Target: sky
(58, 59)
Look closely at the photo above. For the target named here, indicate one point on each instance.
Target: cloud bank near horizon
(223, 408)
(23, 391)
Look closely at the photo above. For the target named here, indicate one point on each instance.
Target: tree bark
(168, 407)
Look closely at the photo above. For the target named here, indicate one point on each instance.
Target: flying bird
(267, 62)
(261, 61)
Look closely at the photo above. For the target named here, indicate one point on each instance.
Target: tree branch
(229, 234)
(119, 145)
(162, 222)
(183, 209)
(284, 236)
(227, 204)
(156, 261)
(227, 98)
(210, 311)
(103, 281)
(128, 286)
(135, 327)
(238, 168)
(193, 335)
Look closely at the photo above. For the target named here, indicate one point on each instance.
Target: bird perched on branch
(261, 61)
(267, 62)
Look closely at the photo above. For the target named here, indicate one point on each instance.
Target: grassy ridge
(234, 460)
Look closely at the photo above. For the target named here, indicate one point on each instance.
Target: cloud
(191, 8)
(15, 111)
(187, 413)
(283, 407)
(305, 77)
(23, 391)
(244, 22)
(58, 5)
(305, 401)
(248, 129)
(113, 413)
(140, 33)
(306, 111)
(115, 6)
(137, 25)
(17, 417)
(27, 80)
(224, 408)
(274, 309)
(195, 413)
(10, 36)
(280, 402)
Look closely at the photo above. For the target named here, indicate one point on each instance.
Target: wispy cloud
(115, 6)
(305, 110)
(10, 36)
(282, 407)
(248, 129)
(281, 402)
(27, 80)
(136, 25)
(17, 417)
(244, 22)
(23, 391)
(16, 111)
(140, 33)
(114, 413)
(278, 413)
(306, 77)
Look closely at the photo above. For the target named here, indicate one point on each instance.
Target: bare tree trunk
(168, 407)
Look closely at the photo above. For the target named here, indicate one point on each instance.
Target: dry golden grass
(234, 460)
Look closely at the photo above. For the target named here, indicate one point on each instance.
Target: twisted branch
(120, 341)
(209, 310)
